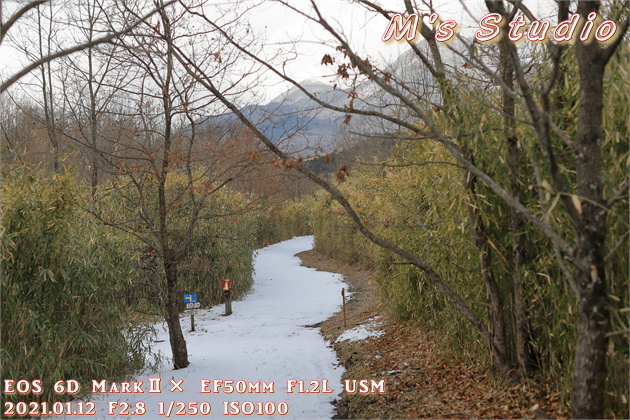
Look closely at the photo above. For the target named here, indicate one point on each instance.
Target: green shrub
(63, 280)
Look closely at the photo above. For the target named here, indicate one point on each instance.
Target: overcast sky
(361, 28)
(281, 27)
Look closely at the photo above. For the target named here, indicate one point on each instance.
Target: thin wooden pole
(343, 299)
(228, 302)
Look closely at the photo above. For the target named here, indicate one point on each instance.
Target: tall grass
(420, 204)
(63, 281)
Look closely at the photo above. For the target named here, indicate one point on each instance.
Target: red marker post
(226, 286)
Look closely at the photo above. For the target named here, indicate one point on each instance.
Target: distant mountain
(296, 122)
(295, 96)
(302, 127)
(411, 77)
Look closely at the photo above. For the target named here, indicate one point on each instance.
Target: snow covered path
(266, 340)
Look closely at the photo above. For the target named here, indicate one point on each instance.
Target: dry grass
(421, 382)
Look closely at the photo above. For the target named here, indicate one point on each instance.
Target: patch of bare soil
(419, 383)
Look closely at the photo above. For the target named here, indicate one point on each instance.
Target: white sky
(282, 26)
(361, 28)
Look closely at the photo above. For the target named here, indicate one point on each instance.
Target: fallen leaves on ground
(420, 381)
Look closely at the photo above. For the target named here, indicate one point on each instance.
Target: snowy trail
(266, 339)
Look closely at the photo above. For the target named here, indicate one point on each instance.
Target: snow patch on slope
(362, 332)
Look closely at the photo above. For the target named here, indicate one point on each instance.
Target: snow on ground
(361, 332)
(266, 340)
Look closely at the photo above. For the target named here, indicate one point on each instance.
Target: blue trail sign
(190, 298)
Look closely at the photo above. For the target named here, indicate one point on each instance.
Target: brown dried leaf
(342, 71)
(327, 59)
(343, 173)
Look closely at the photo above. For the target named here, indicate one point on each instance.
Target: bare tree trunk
(178, 343)
(525, 355)
(590, 357)
(176, 336)
(498, 341)
(521, 326)
(93, 113)
(47, 90)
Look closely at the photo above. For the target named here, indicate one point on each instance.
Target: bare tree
(90, 81)
(168, 106)
(144, 123)
(20, 16)
(45, 24)
(581, 252)
(168, 160)
(16, 127)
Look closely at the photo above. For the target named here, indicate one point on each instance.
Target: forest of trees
(498, 218)
(117, 196)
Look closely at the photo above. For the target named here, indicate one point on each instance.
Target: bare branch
(4, 27)
(102, 40)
